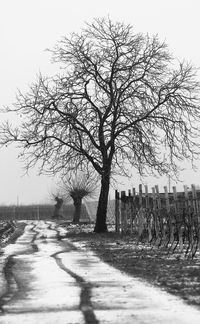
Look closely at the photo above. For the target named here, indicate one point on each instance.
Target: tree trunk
(101, 226)
(77, 210)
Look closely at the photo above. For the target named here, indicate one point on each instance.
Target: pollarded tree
(120, 100)
(76, 187)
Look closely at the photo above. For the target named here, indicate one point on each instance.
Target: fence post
(172, 225)
(123, 212)
(186, 206)
(146, 197)
(167, 199)
(160, 229)
(154, 198)
(155, 213)
(175, 200)
(189, 220)
(129, 210)
(133, 209)
(169, 218)
(148, 214)
(140, 215)
(194, 198)
(195, 223)
(140, 196)
(117, 225)
(158, 197)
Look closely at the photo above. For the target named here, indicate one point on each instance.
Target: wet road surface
(46, 279)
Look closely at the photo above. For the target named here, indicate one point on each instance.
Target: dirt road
(46, 279)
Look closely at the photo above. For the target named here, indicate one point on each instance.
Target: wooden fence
(169, 220)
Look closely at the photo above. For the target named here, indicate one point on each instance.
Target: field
(37, 212)
(21, 212)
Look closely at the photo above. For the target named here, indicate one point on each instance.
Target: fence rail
(162, 219)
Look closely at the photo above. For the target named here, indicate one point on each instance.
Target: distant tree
(58, 206)
(121, 100)
(77, 187)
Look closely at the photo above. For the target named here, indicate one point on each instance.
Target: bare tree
(121, 99)
(58, 206)
(77, 187)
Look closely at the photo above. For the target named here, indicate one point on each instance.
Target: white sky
(28, 27)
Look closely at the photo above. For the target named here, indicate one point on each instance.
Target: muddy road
(46, 279)
(35, 283)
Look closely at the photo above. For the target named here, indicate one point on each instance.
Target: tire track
(11, 284)
(33, 244)
(12, 287)
(85, 297)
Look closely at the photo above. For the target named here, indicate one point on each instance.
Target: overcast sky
(28, 27)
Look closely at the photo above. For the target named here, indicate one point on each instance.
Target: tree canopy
(75, 187)
(120, 99)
